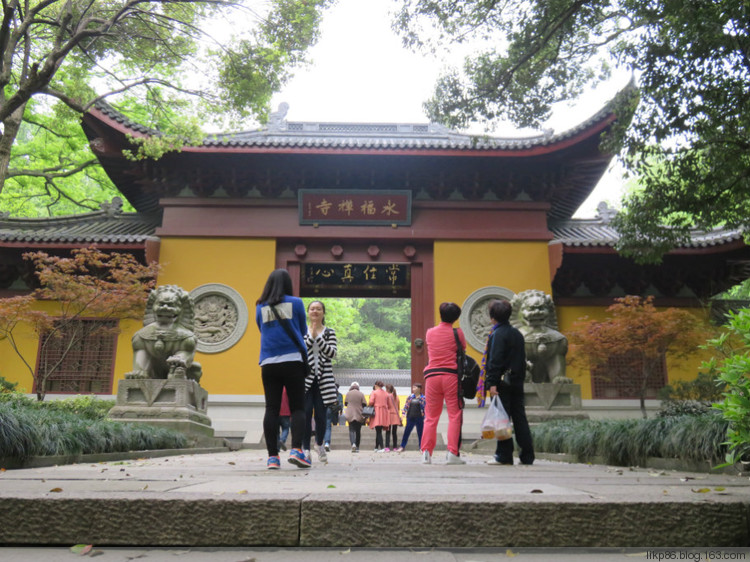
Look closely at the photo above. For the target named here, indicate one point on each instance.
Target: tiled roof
(599, 233)
(366, 136)
(100, 227)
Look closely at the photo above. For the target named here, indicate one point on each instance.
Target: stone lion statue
(534, 315)
(165, 346)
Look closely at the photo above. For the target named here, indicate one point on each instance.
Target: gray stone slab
(369, 500)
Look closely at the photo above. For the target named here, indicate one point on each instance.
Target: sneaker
(426, 457)
(322, 457)
(399, 450)
(386, 450)
(380, 450)
(328, 447)
(299, 458)
(354, 448)
(282, 446)
(273, 463)
(455, 459)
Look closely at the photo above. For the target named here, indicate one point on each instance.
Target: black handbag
(468, 371)
(288, 330)
(368, 411)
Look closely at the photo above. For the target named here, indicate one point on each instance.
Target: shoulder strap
(459, 349)
(288, 331)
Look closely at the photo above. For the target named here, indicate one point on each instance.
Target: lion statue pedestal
(163, 388)
(173, 403)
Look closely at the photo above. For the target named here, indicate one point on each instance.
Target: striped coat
(320, 351)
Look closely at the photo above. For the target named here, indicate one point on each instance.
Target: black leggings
(392, 430)
(276, 377)
(314, 407)
(379, 436)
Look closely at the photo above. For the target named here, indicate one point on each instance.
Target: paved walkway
(369, 500)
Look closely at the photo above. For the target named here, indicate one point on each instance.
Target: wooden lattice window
(81, 361)
(621, 377)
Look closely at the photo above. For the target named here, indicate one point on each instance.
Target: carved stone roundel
(475, 317)
(221, 317)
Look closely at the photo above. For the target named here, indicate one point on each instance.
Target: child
(414, 414)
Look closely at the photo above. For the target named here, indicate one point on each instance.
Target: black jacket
(506, 352)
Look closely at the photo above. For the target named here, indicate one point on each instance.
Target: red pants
(439, 388)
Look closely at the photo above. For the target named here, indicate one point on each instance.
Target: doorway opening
(373, 339)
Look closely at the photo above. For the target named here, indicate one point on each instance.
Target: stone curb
(273, 520)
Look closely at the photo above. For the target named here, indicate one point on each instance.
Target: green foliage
(87, 407)
(738, 292)
(27, 432)
(168, 64)
(685, 131)
(697, 438)
(683, 408)
(704, 388)
(7, 387)
(733, 369)
(371, 333)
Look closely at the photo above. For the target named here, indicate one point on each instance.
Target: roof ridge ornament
(605, 213)
(277, 119)
(112, 208)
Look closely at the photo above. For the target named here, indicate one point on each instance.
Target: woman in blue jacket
(282, 323)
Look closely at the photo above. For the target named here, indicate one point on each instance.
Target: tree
(89, 283)
(638, 331)
(687, 141)
(169, 64)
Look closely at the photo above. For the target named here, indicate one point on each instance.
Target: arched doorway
(355, 268)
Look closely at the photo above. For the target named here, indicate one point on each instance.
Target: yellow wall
(460, 268)
(463, 267)
(683, 368)
(13, 369)
(242, 264)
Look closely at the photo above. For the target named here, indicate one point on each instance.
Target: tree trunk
(645, 377)
(9, 133)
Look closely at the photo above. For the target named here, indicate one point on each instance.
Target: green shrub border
(630, 442)
(30, 431)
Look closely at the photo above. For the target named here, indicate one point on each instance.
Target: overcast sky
(361, 73)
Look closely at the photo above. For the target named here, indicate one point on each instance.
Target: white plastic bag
(496, 424)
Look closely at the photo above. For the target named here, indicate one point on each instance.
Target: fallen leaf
(231, 462)
(347, 551)
(56, 490)
(145, 487)
(700, 490)
(330, 486)
(536, 491)
(242, 492)
(81, 549)
(719, 489)
(510, 554)
(2, 470)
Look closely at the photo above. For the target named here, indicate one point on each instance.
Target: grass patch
(27, 432)
(630, 442)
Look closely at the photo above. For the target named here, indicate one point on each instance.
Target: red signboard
(354, 207)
